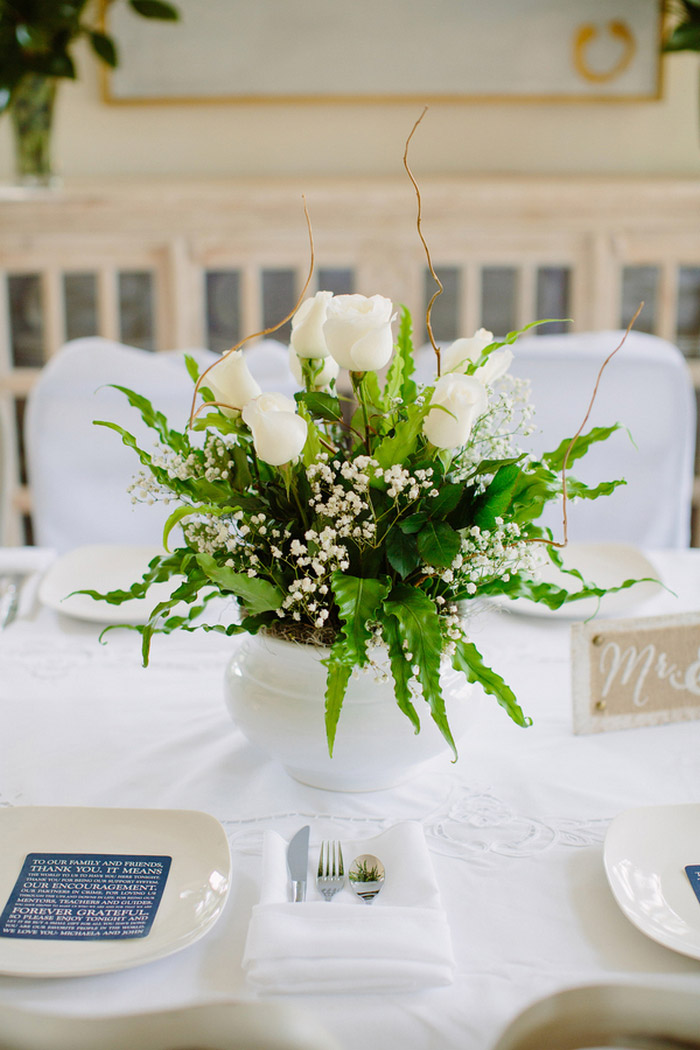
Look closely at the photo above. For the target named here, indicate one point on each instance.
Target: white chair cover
(647, 388)
(642, 1017)
(209, 1026)
(79, 473)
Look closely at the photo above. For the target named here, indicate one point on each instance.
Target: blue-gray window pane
(553, 299)
(20, 406)
(499, 288)
(26, 316)
(688, 316)
(279, 295)
(223, 309)
(639, 284)
(339, 280)
(136, 309)
(444, 316)
(80, 304)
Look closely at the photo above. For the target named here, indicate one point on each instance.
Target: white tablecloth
(515, 829)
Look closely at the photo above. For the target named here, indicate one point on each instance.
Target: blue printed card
(85, 896)
(693, 873)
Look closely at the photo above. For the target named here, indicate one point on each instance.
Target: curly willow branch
(435, 277)
(265, 331)
(606, 362)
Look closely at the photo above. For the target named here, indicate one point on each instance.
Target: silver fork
(331, 873)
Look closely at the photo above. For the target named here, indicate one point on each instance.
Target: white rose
(463, 352)
(279, 434)
(307, 326)
(329, 369)
(230, 381)
(358, 331)
(496, 365)
(462, 399)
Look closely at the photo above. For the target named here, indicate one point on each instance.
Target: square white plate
(193, 899)
(645, 854)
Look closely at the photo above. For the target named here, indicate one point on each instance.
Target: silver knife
(297, 862)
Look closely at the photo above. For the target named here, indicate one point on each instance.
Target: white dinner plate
(602, 564)
(645, 854)
(193, 897)
(102, 567)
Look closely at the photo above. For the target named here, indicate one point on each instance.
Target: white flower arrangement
(363, 529)
(363, 521)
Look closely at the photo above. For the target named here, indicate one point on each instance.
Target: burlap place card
(637, 672)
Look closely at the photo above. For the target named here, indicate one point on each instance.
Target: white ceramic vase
(275, 693)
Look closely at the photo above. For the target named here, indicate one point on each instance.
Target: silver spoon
(366, 876)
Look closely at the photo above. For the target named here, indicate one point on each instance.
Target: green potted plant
(353, 533)
(349, 544)
(36, 42)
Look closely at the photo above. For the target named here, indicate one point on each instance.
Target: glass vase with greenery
(37, 38)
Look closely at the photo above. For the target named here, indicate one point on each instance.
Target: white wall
(94, 138)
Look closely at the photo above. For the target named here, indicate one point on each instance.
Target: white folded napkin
(399, 942)
(30, 563)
